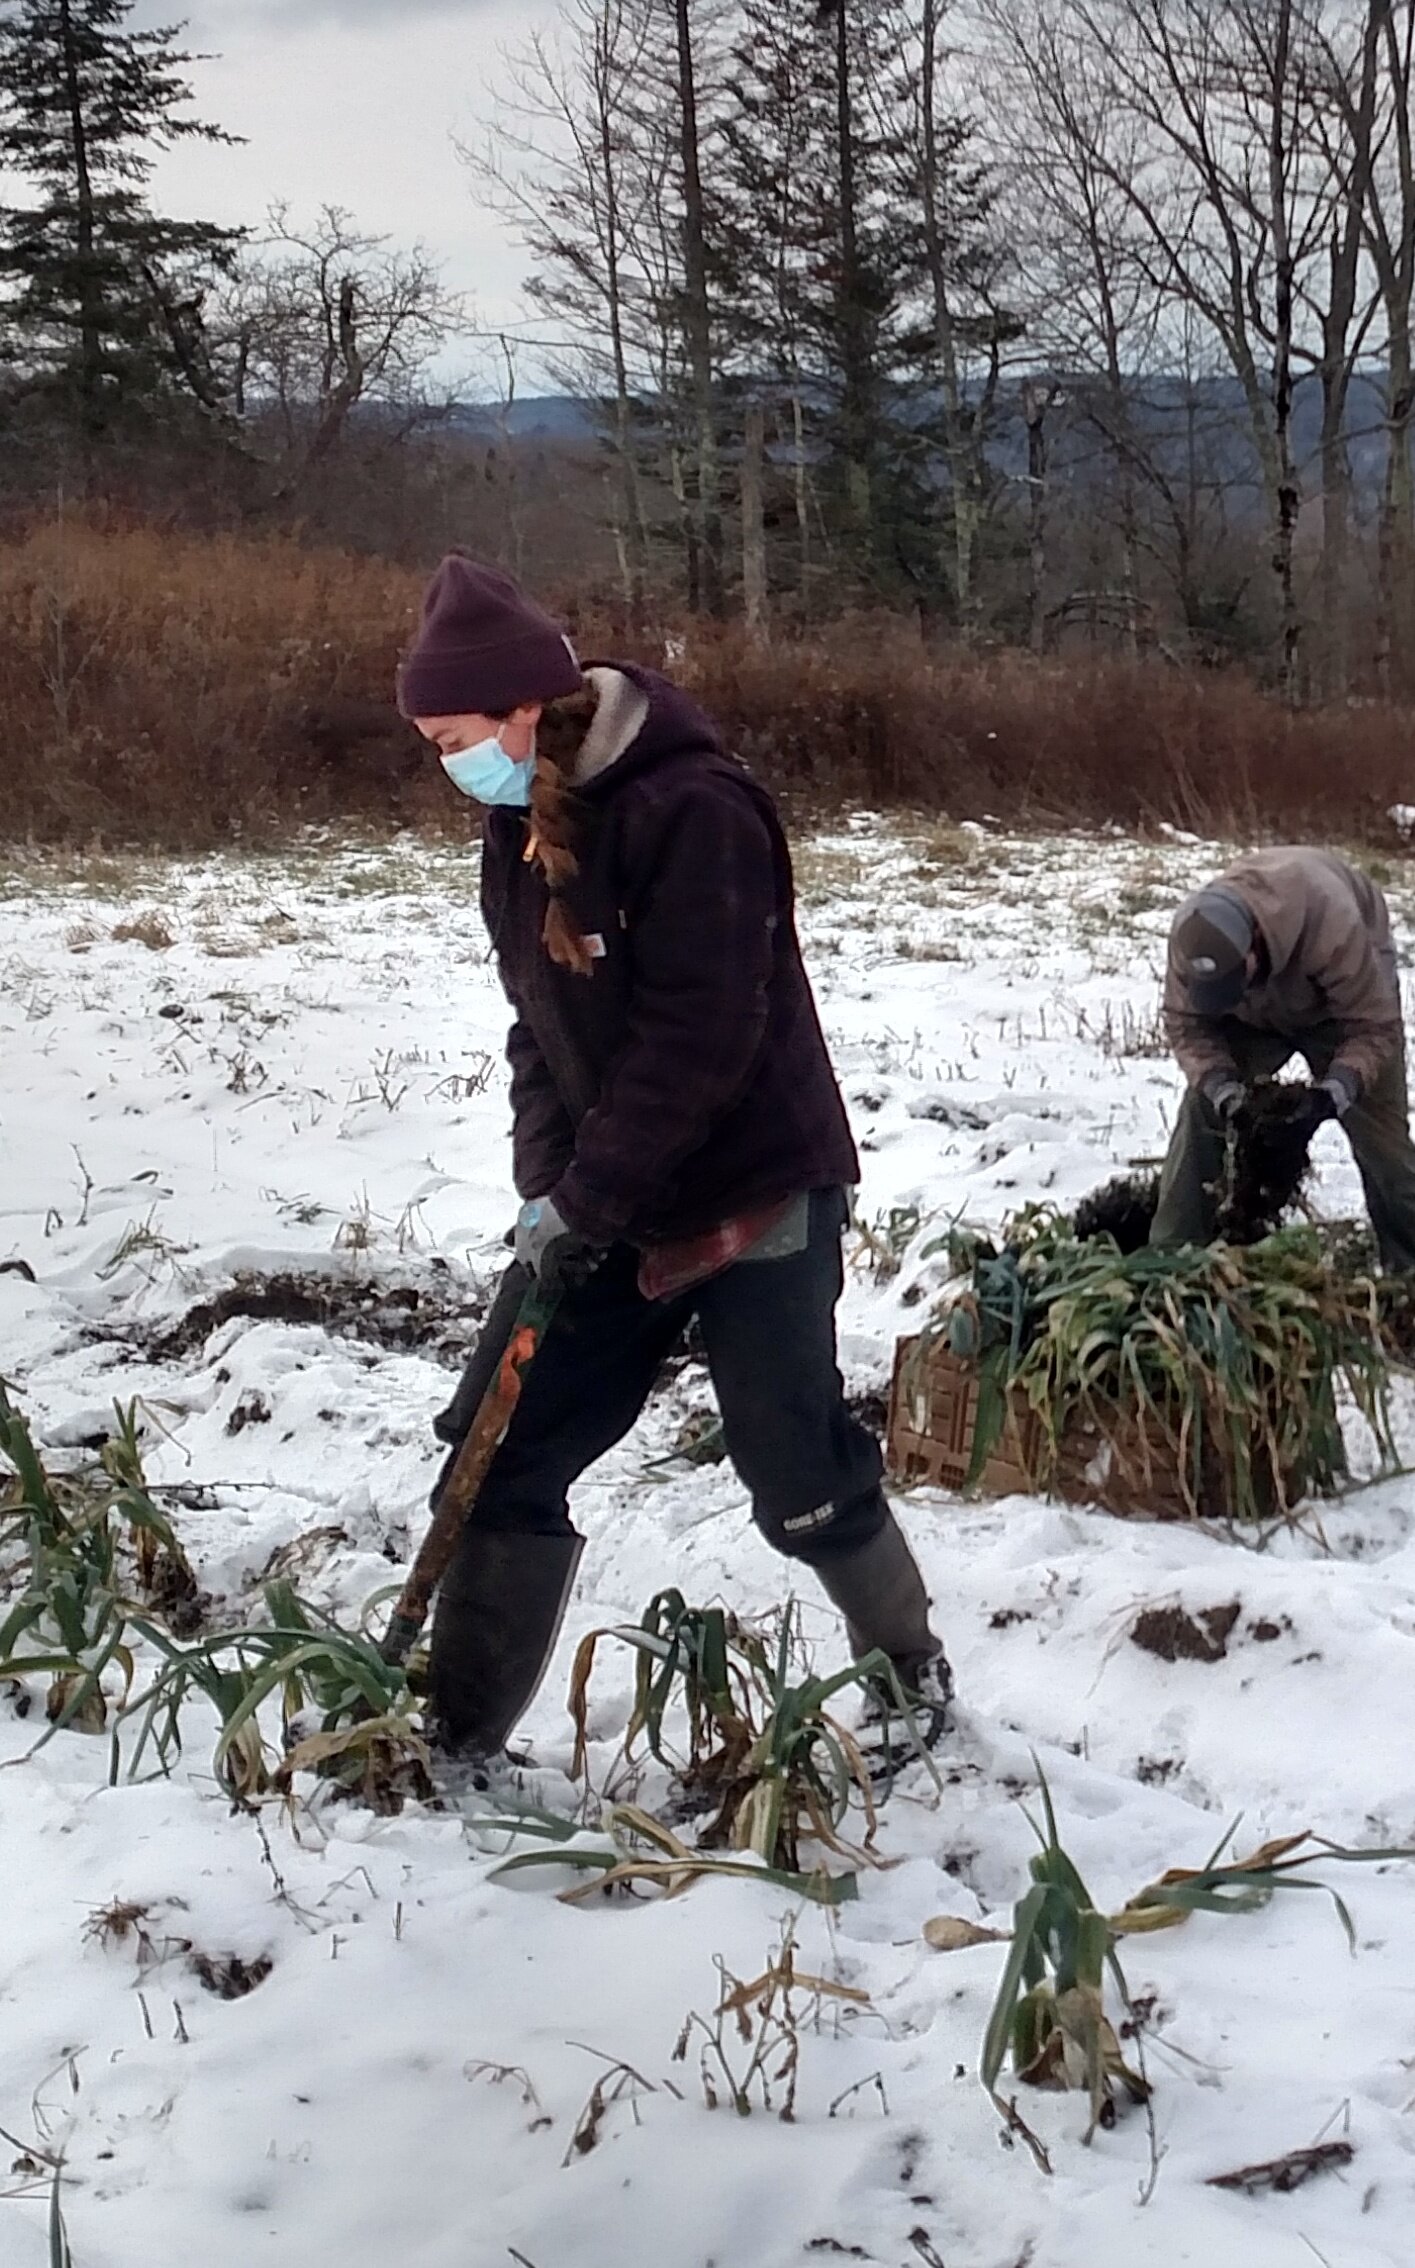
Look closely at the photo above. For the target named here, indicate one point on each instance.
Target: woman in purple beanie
(679, 1141)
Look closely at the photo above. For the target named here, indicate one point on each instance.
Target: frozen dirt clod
(1266, 1162)
(227, 1975)
(1172, 1635)
(1123, 1208)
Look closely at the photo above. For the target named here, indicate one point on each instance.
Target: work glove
(1225, 1097)
(1344, 1088)
(1320, 1103)
(546, 1245)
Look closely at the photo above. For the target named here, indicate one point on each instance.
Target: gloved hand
(553, 1252)
(1318, 1104)
(1225, 1098)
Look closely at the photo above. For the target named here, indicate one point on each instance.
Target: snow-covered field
(305, 1077)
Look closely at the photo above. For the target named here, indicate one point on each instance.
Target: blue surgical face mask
(489, 775)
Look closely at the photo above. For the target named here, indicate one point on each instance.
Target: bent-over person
(1288, 953)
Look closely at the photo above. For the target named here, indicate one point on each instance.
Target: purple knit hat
(483, 648)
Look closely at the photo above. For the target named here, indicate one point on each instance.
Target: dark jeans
(768, 1327)
(1377, 1127)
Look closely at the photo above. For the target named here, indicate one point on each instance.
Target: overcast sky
(354, 103)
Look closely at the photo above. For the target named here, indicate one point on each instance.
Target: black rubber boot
(880, 1592)
(498, 1616)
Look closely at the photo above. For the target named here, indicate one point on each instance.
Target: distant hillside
(1159, 405)
(545, 417)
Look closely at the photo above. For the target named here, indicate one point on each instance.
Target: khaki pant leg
(1378, 1129)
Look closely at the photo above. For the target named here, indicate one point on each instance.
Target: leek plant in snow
(93, 1553)
(364, 1738)
(1243, 1886)
(100, 1580)
(765, 1756)
(630, 1850)
(1049, 2017)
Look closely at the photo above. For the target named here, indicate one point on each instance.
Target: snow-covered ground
(305, 1077)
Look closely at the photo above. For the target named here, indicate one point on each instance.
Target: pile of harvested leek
(1225, 1365)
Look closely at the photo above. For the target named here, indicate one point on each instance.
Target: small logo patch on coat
(596, 946)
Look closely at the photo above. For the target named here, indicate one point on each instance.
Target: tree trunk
(1288, 497)
(854, 343)
(1391, 239)
(961, 437)
(698, 313)
(632, 534)
(90, 291)
(1395, 644)
(1339, 352)
(1335, 375)
(688, 520)
(802, 486)
(754, 579)
(1038, 395)
(1336, 529)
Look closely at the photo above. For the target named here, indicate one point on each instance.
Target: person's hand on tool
(550, 1249)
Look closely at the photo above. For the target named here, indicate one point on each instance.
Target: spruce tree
(835, 258)
(821, 241)
(102, 306)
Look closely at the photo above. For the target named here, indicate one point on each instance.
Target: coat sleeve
(1196, 1042)
(542, 1136)
(1358, 982)
(701, 933)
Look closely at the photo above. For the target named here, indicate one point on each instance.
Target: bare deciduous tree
(579, 172)
(324, 322)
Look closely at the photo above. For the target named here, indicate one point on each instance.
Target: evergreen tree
(858, 221)
(820, 247)
(103, 306)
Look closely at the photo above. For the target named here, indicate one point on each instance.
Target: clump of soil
(172, 1589)
(252, 1409)
(1122, 1208)
(125, 1922)
(1176, 1636)
(1266, 1162)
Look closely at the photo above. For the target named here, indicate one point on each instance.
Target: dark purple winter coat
(685, 1080)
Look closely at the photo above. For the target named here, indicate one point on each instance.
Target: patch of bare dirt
(1174, 1635)
(437, 1317)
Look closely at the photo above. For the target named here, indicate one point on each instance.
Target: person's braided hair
(560, 736)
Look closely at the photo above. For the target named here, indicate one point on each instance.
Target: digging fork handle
(484, 1437)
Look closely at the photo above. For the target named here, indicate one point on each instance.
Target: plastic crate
(933, 1415)
(933, 1410)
